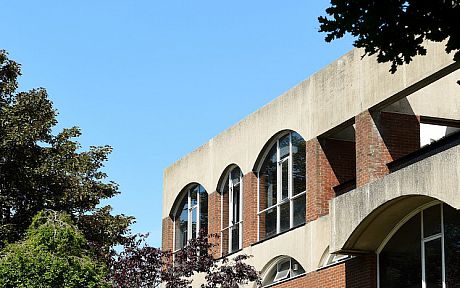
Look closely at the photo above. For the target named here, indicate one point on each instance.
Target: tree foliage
(74, 247)
(394, 29)
(41, 170)
(144, 266)
(53, 254)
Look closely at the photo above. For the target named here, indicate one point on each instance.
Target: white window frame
(190, 216)
(423, 240)
(230, 224)
(279, 191)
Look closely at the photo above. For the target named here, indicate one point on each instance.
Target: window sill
(276, 235)
(230, 254)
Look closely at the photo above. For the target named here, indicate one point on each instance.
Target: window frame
(273, 270)
(279, 183)
(197, 206)
(423, 240)
(230, 224)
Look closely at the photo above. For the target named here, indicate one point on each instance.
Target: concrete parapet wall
(361, 219)
(328, 98)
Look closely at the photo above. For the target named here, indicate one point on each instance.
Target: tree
(40, 170)
(53, 254)
(394, 29)
(140, 265)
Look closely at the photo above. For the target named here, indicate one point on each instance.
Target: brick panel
(249, 209)
(382, 137)
(167, 234)
(214, 216)
(359, 272)
(329, 163)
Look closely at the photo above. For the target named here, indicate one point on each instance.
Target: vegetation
(53, 254)
(40, 170)
(53, 232)
(147, 267)
(394, 29)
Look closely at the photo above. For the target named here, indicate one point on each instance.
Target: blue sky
(157, 79)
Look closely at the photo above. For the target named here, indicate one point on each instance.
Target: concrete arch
(224, 175)
(180, 197)
(374, 229)
(268, 144)
(375, 207)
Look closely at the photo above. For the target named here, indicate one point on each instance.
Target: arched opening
(423, 250)
(281, 269)
(231, 192)
(281, 174)
(190, 215)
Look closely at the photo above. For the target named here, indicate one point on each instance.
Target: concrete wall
(361, 219)
(328, 98)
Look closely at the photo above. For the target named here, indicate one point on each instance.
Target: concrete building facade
(349, 179)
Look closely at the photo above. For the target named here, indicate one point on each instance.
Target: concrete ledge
(360, 219)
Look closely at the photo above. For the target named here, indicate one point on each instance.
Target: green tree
(394, 29)
(53, 254)
(40, 170)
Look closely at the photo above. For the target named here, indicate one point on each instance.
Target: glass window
(282, 269)
(188, 221)
(231, 196)
(282, 186)
(421, 252)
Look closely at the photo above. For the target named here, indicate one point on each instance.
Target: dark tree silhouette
(394, 29)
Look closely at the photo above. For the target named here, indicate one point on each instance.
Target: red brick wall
(382, 137)
(249, 209)
(214, 216)
(329, 163)
(167, 234)
(401, 133)
(359, 272)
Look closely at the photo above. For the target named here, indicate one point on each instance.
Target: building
(349, 179)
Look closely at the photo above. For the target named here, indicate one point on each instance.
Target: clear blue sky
(157, 79)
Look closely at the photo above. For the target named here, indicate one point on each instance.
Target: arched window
(280, 270)
(232, 211)
(424, 251)
(191, 216)
(282, 186)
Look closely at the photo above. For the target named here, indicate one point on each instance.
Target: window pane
(284, 217)
(235, 238)
(194, 224)
(193, 195)
(284, 179)
(267, 180)
(236, 204)
(181, 224)
(299, 210)
(298, 164)
(452, 246)
(203, 211)
(432, 221)
(400, 260)
(235, 176)
(284, 146)
(296, 268)
(433, 264)
(267, 223)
